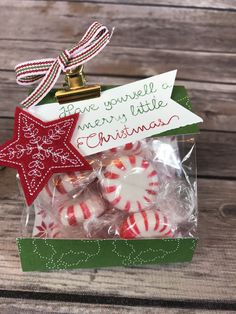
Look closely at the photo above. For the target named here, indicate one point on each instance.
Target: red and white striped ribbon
(94, 40)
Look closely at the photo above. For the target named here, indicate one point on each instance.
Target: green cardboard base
(55, 254)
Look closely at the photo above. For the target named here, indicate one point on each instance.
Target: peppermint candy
(84, 208)
(146, 224)
(62, 184)
(130, 183)
(134, 148)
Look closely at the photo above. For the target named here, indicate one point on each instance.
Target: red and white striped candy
(83, 209)
(146, 224)
(61, 184)
(130, 183)
(134, 148)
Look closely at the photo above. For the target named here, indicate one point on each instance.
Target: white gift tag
(122, 114)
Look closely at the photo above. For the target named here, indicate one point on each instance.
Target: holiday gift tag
(123, 114)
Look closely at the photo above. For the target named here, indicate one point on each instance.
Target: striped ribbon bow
(94, 40)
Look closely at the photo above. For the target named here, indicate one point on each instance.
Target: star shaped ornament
(39, 149)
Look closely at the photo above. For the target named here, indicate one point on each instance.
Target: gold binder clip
(76, 88)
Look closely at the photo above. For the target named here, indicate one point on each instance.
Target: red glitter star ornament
(39, 149)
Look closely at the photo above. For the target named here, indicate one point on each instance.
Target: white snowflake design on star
(39, 149)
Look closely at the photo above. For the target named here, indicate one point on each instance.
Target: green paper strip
(54, 254)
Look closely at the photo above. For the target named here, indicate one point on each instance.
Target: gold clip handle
(75, 78)
(76, 88)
